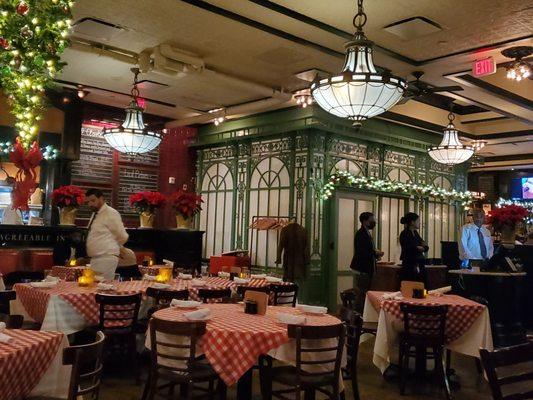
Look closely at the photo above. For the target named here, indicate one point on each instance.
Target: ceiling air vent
(412, 28)
(96, 29)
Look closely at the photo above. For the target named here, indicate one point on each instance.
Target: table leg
(420, 361)
(244, 386)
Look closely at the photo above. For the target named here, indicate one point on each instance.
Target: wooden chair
(354, 325)
(424, 327)
(12, 321)
(6, 296)
(510, 371)
(284, 295)
(297, 378)
(174, 361)
(241, 290)
(215, 295)
(163, 297)
(86, 361)
(349, 300)
(118, 321)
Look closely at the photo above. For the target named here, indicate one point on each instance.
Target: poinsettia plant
(507, 215)
(147, 201)
(68, 196)
(187, 204)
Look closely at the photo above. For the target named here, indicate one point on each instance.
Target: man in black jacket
(364, 258)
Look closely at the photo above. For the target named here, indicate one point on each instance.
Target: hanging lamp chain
(135, 90)
(359, 20)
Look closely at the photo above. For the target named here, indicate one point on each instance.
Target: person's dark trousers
(362, 285)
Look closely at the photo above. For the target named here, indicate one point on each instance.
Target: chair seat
(198, 372)
(287, 376)
(370, 327)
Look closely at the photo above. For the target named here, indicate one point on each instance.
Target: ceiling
(252, 48)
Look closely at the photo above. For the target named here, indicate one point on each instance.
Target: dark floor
(372, 385)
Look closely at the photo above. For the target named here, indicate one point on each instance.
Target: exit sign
(486, 66)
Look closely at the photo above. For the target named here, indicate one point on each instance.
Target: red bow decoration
(26, 162)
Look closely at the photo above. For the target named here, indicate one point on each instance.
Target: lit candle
(72, 262)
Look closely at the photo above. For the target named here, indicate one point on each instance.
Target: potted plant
(186, 206)
(68, 199)
(146, 203)
(504, 220)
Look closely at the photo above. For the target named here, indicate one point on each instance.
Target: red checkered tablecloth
(461, 312)
(70, 274)
(234, 340)
(24, 361)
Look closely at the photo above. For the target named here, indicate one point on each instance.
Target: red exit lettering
(487, 66)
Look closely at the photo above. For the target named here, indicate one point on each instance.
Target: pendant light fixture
(359, 92)
(450, 151)
(518, 69)
(133, 137)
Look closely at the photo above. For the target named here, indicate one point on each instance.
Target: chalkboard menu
(96, 158)
(118, 175)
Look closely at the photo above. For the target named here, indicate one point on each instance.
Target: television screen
(527, 188)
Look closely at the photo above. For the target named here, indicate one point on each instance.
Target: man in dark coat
(364, 258)
(293, 244)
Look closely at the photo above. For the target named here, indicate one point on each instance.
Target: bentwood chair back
(163, 297)
(354, 326)
(174, 360)
(12, 321)
(86, 361)
(285, 295)
(510, 371)
(318, 363)
(349, 298)
(118, 312)
(6, 296)
(215, 295)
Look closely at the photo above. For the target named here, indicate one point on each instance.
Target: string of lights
(49, 152)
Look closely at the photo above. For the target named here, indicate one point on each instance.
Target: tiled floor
(372, 385)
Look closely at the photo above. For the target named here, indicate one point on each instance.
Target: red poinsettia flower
(25, 179)
(186, 203)
(68, 196)
(507, 215)
(147, 201)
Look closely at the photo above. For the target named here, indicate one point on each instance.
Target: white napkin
(3, 337)
(258, 276)
(159, 285)
(185, 303)
(273, 279)
(393, 296)
(198, 315)
(105, 286)
(240, 281)
(441, 291)
(184, 276)
(168, 262)
(43, 285)
(223, 274)
(291, 319)
(147, 277)
(99, 278)
(50, 278)
(312, 309)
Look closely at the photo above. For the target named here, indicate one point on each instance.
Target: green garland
(344, 178)
(33, 34)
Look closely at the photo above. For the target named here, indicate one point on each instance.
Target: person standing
(476, 243)
(106, 235)
(364, 257)
(413, 249)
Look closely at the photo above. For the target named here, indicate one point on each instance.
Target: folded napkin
(223, 274)
(312, 309)
(241, 281)
(161, 285)
(199, 315)
(147, 277)
(291, 319)
(3, 337)
(441, 290)
(50, 278)
(168, 263)
(99, 278)
(105, 286)
(258, 276)
(197, 282)
(273, 279)
(43, 285)
(185, 303)
(393, 296)
(184, 276)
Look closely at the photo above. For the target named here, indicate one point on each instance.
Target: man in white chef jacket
(476, 243)
(106, 235)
